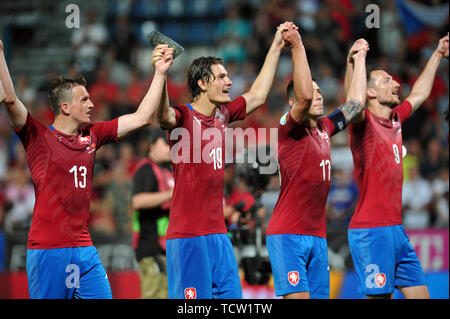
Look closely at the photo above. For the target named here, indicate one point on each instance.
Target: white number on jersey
(216, 154)
(323, 164)
(396, 153)
(83, 171)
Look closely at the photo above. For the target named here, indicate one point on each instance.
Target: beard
(391, 102)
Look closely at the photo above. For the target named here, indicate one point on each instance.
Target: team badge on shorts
(293, 278)
(190, 293)
(380, 280)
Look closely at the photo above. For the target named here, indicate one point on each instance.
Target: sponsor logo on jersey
(380, 280)
(84, 139)
(198, 121)
(190, 293)
(283, 119)
(293, 278)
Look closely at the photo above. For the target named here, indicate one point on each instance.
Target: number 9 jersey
(61, 170)
(376, 145)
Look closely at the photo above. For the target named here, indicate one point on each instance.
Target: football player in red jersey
(296, 234)
(381, 252)
(61, 260)
(200, 258)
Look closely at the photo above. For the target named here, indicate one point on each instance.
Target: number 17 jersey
(61, 169)
(305, 170)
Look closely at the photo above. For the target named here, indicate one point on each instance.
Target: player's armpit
(2, 93)
(167, 118)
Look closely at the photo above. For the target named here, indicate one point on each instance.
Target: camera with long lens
(249, 239)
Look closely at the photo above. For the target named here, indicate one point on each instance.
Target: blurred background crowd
(111, 50)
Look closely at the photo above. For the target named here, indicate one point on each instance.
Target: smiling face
(384, 88)
(219, 85)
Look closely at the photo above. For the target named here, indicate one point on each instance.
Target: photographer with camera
(245, 217)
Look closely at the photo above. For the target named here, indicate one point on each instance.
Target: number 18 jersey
(61, 169)
(376, 145)
(197, 151)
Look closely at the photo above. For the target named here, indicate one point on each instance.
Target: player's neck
(312, 122)
(154, 158)
(203, 105)
(380, 110)
(64, 126)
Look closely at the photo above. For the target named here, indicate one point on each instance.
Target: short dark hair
(61, 91)
(200, 69)
(290, 89)
(370, 81)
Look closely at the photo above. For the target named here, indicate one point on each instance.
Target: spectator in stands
(232, 34)
(88, 42)
(342, 199)
(416, 201)
(19, 197)
(123, 40)
(433, 161)
(440, 207)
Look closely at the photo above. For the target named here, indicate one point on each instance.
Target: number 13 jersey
(376, 145)
(61, 169)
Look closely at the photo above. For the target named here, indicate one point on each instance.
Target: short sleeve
(327, 125)
(106, 131)
(237, 109)
(403, 111)
(144, 181)
(178, 116)
(30, 130)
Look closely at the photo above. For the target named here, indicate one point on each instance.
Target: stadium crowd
(105, 51)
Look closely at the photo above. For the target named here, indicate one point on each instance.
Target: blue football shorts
(299, 264)
(66, 273)
(384, 259)
(202, 267)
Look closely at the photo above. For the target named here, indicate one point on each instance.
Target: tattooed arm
(360, 44)
(356, 95)
(351, 110)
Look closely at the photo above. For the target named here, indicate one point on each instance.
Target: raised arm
(422, 88)
(2, 93)
(259, 90)
(356, 94)
(165, 115)
(17, 112)
(146, 110)
(302, 80)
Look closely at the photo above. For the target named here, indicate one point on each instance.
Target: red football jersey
(61, 169)
(305, 172)
(197, 146)
(376, 145)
